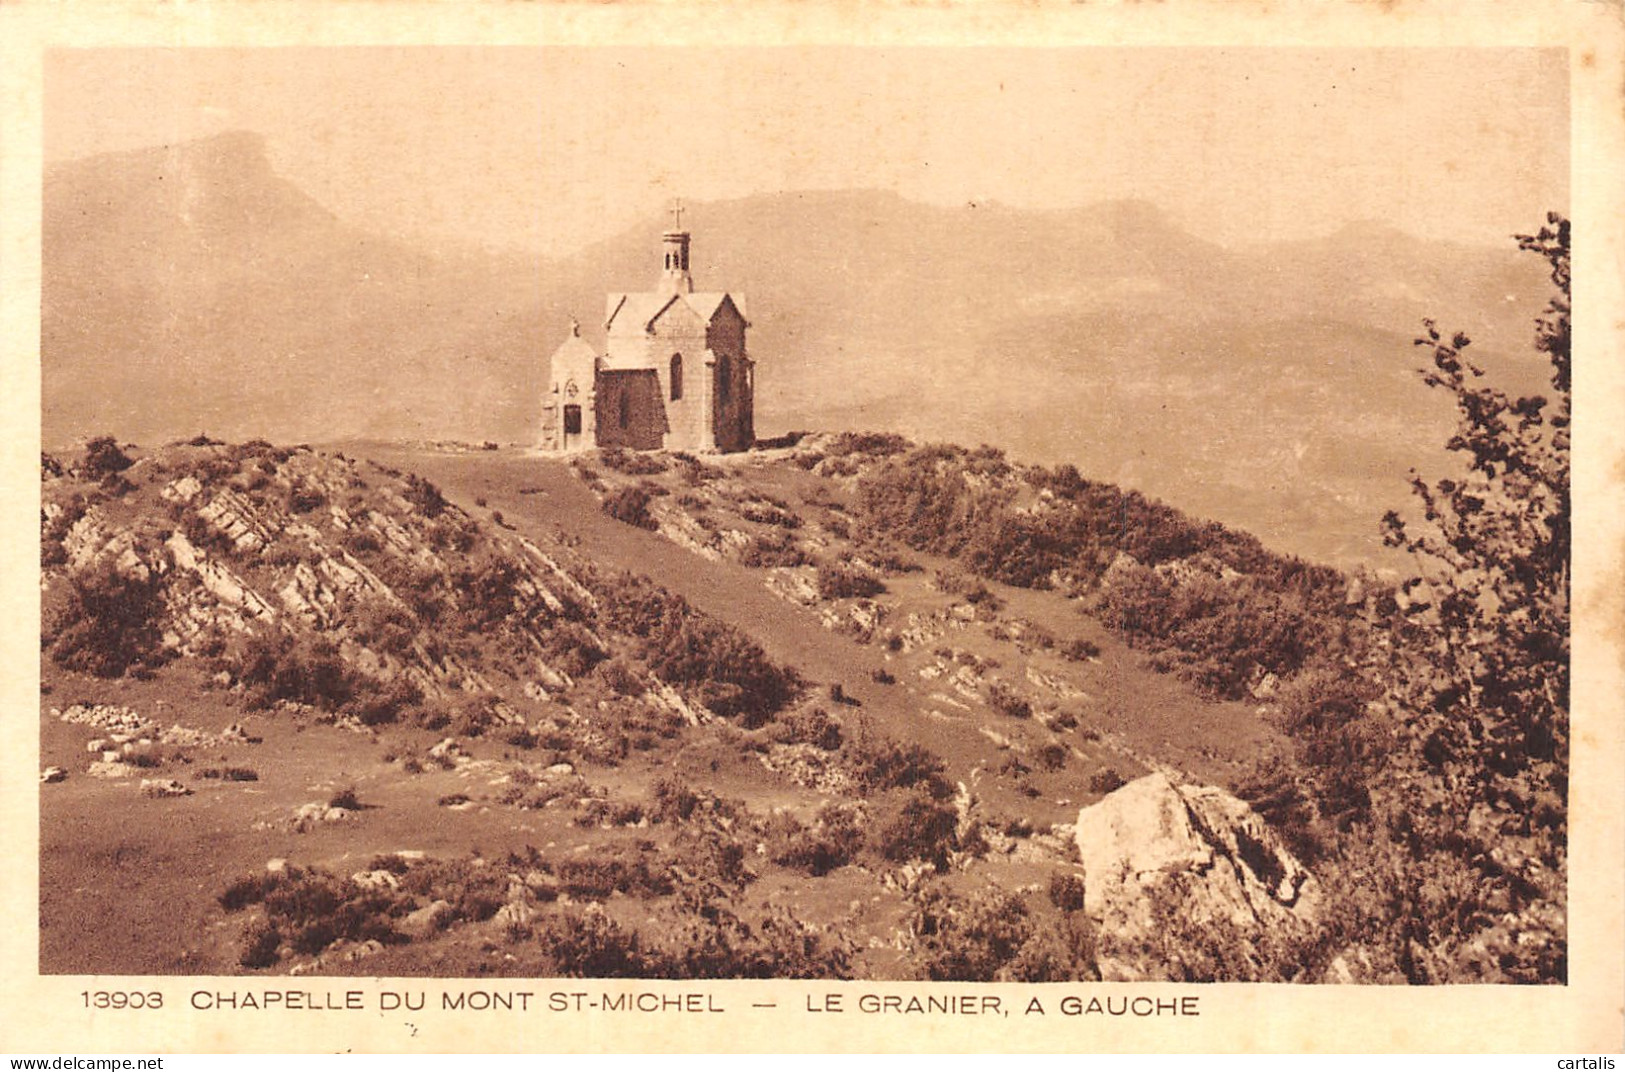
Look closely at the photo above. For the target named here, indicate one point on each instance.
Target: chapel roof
(638, 310)
(574, 346)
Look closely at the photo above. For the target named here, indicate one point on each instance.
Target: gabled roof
(638, 311)
(574, 346)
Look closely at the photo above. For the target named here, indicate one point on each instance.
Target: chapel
(673, 373)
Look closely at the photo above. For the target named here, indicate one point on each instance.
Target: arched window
(626, 408)
(676, 377)
(724, 376)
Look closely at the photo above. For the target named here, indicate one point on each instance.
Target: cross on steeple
(677, 214)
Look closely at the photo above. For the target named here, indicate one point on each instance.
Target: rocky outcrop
(1153, 848)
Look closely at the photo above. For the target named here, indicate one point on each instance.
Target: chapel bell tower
(674, 277)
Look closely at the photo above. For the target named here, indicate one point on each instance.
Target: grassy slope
(129, 883)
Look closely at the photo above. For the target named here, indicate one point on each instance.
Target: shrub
(1066, 892)
(345, 798)
(1052, 757)
(887, 764)
(775, 548)
(1007, 701)
(103, 458)
(1105, 781)
(631, 505)
(108, 622)
(376, 703)
(260, 945)
(277, 666)
(632, 463)
(812, 726)
(832, 841)
(843, 582)
(1079, 649)
(922, 828)
(672, 802)
(425, 496)
(586, 943)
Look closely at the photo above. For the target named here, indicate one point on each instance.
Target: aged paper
(59, 81)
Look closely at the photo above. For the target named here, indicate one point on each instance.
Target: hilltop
(1268, 387)
(399, 710)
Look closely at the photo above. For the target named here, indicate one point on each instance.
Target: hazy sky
(547, 149)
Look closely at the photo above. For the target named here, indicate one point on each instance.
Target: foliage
(993, 936)
(843, 582)
(1479, 665)
(631, 505)
(1483, 627)
(1210, 603)
(103, 458)
(721, 666)
(920, 827)
(107, 622)
(632, 463)
(274, 665)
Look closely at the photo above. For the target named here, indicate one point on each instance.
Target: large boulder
(1152, 850)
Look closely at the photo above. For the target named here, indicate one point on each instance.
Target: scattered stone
(426, 921)
(376, 880)
(308, 816)
(52, 775)
(163, 787)
(515, 914)
(276, 865)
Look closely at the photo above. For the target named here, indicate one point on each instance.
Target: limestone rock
(515, 914)
(376, 880)
(426, 920)
(1201, 847)
(52, 775)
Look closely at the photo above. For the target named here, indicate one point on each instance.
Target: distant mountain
(191, 288)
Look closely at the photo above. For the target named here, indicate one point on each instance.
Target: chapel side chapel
(674, 373)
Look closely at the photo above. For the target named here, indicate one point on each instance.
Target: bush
(922, 828)
(885, 764)
(1007, 701)
(631, 505)
(843, 582)
(1052, 757)
(260, 946)
(378, 703)
(586, 943)
(276, 666)
(775, 548)
(1079, 649)
(992, 936)
(672, 802)
(103, 458)
(632, 463)
(1106, 781)
(108, 623)
(832, 841)
(346, 799)
(812, 726)
(425, 496)
(1066, 892)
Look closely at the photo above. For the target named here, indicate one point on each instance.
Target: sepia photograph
(1096, 516)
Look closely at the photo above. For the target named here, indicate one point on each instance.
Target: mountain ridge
(231, 302)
